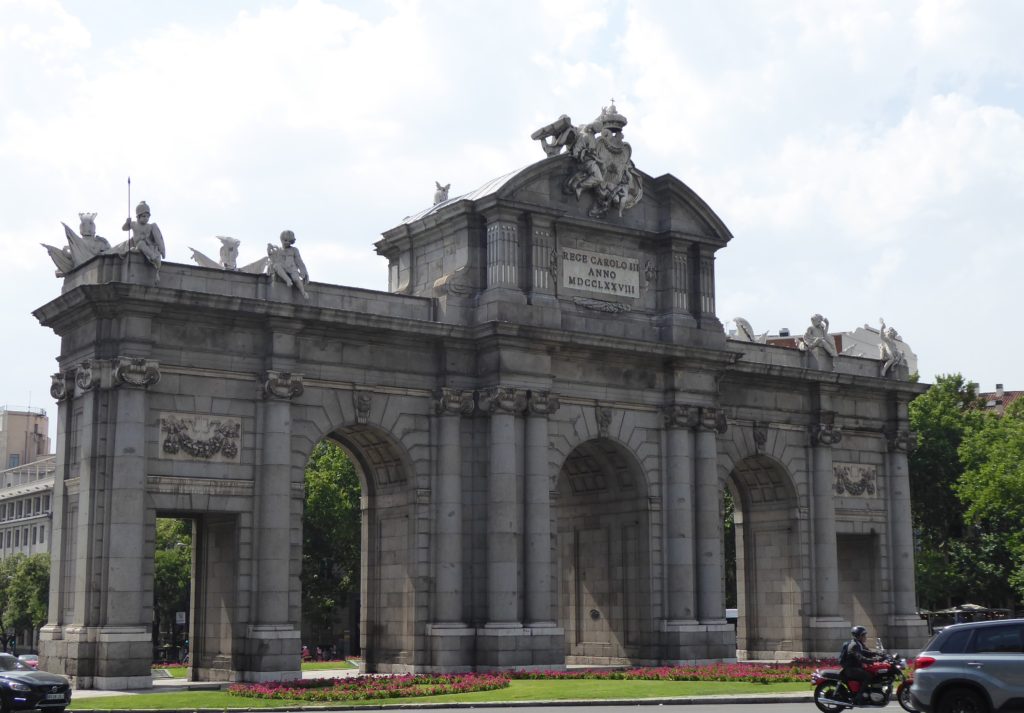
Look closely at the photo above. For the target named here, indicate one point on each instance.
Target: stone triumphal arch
(544, 410)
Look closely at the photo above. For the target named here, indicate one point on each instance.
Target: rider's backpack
(844, 655)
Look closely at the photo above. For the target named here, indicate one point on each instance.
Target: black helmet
(858, 631)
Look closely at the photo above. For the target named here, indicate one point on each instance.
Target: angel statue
(817, 338)
(80, 248)
(285, 263)
(146, 237)
(891, 355)
(229, 258)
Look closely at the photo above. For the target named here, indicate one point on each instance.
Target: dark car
(24, 688)
(971, 668)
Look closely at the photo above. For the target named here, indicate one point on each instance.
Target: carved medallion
(855, 479)
(362, 400)
(62, 385)
(191, 437)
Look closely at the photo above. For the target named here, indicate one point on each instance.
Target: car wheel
(961, 700)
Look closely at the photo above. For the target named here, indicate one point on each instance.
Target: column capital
(453, 402)
(899, 440)
(281, 385)
(541, 403)
(826, 434)
(502, 400)
(62, 385)
(134, 371)
(681, 416)
(712, 419)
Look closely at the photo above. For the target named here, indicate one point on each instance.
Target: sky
(868, 157)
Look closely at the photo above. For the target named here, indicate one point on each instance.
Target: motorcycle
(833, 693)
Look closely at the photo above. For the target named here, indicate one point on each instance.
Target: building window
(42, 534)
(36, 504)
(46, 503)
(34, 535)
(24, 536)
(20, 507)
(17, 538)
(14, 460)
(8, 538)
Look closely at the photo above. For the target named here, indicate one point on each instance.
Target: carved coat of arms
(603, 160)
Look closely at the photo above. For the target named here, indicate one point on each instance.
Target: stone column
(504, 510)
(826, 563)
(681, 606)
(452, 404)
(273, 493)
(503, 252)
(901, 537)
(710, 570)
(540, 405)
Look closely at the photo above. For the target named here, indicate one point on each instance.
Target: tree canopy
(964, 533)
(331, 533)
(24, 591)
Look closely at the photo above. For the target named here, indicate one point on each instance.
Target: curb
(688, 701)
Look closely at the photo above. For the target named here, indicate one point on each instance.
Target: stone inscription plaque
(186, 436)
(855, 479)
(600, 273)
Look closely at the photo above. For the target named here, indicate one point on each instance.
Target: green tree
(330, 535)
(28, 593)
(992, 489)
(940, 417)
(172, 571)
(8, 575)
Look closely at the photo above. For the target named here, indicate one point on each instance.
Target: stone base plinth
(826, 636)
(272, 652)
(451, 647)
(692, 642)
(515, 646)
(99, 657)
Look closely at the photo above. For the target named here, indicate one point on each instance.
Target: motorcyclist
(853, 657)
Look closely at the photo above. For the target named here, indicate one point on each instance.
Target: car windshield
(9, 663)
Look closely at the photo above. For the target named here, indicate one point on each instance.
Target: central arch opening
(604, 591)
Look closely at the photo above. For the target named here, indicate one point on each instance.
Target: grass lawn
(327, 665)
(517, 691)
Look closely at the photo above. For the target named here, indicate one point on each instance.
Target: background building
(25, 507)
(24, 435)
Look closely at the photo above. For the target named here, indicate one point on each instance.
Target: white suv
(976, 667)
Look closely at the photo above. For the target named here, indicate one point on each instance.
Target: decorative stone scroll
(454, 402)
(87, 375)
(826, 434)
(855, 479)
(901, 441)
(502, 399)
(209, 438)
(601, 305)
(713, 419)
(681, 416)
(282, 385)
(62, 385)
(135, 372)
(542, 403)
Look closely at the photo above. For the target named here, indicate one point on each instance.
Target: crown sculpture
(602, 161)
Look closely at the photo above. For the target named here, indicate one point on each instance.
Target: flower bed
(742, 672)
(370, 687)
